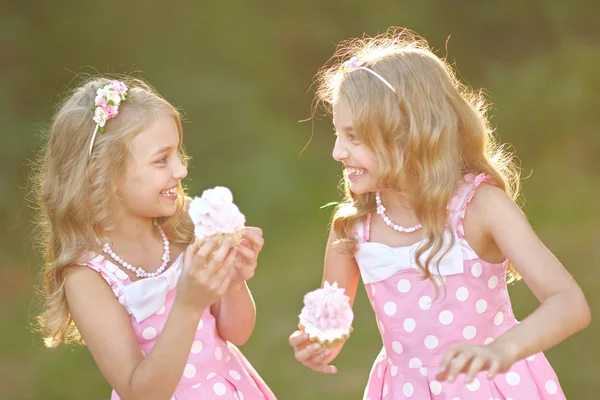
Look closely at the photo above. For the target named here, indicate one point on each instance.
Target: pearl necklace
(381, 211)
(140, 272)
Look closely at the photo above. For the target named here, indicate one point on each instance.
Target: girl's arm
(106, 328)
(563, 310)
(235, 313)
(340, 267)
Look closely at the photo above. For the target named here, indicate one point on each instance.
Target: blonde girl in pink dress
(430, 226)
(161, 317)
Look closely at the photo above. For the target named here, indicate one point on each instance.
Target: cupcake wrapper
(236, 238)
(329, 344)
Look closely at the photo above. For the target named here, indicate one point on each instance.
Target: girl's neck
(396, 201)
(132, 230)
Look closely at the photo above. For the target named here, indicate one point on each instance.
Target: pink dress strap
(111, 274)
(362, 229)
(458, 204)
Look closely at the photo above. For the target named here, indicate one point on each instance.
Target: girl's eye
(163, 160)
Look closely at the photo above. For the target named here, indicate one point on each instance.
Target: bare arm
(563, 310)
(235, 313)
(339, 267)
(106, 328)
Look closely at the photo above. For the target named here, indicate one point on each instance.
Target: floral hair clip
(351, 64)
(106, 105)
(355, 63)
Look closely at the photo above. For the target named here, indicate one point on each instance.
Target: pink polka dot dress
(215, 368)
(416, 328)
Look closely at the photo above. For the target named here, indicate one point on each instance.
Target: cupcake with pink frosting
(327, 316)
(216, 216)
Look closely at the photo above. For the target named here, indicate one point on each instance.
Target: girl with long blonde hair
(430, 225)
(159, 314)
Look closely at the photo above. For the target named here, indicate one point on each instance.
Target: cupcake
(216, 216)
(327, 316)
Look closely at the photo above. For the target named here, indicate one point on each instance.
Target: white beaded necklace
(381, 211)
(140, 272)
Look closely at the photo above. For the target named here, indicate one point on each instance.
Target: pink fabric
(215, 369)
(416, 328)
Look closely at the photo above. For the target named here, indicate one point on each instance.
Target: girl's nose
(340, 152)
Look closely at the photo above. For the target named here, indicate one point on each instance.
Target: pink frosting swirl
(215, 212)
(327, 308)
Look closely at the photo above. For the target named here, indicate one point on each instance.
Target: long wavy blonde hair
(75, 190)
(426, 136)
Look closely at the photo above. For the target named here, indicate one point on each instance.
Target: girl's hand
(472, 359)
(311, 355)
(248, 251)
(205, 277)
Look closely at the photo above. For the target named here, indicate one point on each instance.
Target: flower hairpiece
(351, 64)
(355, 63)
(106, 105)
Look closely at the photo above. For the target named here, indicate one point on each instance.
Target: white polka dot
(149, 333)
(196, 347)
(121, 275)
(551, 387)
(385, 390)
(189, 371)
(474, 385)
(456, 398)
(240, 395)
(235, 375)
(462, 293)
(394, 370)
(200, 324)
(481, 306)
(423, 371)
(436, 387)
(235, 396)
(530, 358)
(403, 285)
(408, 389)
(493, 282)
(210, 376)
(513, 379)
(389, 308)
(219, 389)
(381, 327)
(415, 363)
(488, 340)
(446, 317)
(218, 353)
(379, 373)
(425, 303)
(469, 332)
(409, 324)
(228, 358)
(373, 290)
(397, 346)
(498, 318)
(161, 310)
(196, 386)
(476, 270)
(431, 342)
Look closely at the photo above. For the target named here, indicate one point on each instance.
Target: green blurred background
(241, 71)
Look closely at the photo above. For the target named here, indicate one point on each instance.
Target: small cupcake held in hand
(216, 216)
(327, 316)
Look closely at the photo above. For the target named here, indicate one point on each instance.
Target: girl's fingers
(477, 365)
(298, 339)
(494, 369)
(246, 253)
(219, 257)
(204, 251)
(307, 353)
(459, 364)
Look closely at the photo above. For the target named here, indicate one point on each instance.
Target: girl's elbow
(583, 309)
